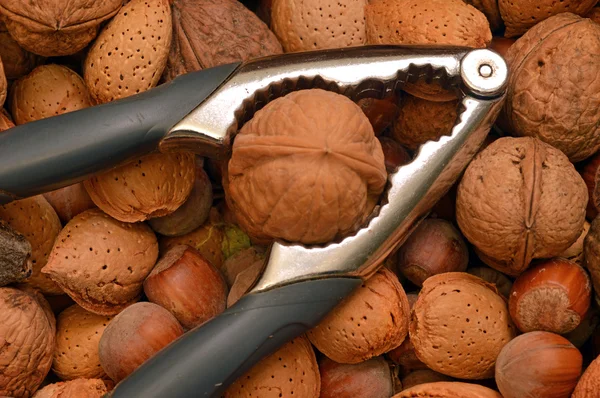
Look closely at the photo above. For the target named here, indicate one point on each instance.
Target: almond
(130, 53)
(69, 201)
(445, 389)
(49, 90)
(79, 388)
(117, 256)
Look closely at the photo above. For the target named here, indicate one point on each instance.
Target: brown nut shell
(497, 278)
(290, 371)
(542, 99)
(304, 25)
(589, 383)
(27, 333)
(3, 84)
(118, 257)
(56, 27)
(445, 389)
(575, 251)
(49, 90)
(591, 254)
(520, 199)
(490, 9)
(594, 14)
(459, 324)
(17, 61)
(5, 121)
(69, 201)
(152, 186)
(78, 388)
(521, 15)
(368, 323)
(422, 376)
(37, 221)
(78, 333)
(130, 53)
(208, 33)
(296, 149)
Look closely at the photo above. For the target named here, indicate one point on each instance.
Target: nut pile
(495, 295)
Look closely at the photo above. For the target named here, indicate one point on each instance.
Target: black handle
(206, 360)
(51, 153)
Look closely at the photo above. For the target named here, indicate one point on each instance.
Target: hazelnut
(459, 324)
(77, 337)
(422, 376)
(78, 388)
(381, 112)
(589, 383)
(433, 248)
(69, 201)
(520, 199)
(538, 364)
(542, 99)
(152, 186)
(552, 296)
(291, 371)
(117, 257)
(187, 285)
(395, 155)
(305, 151)
(373, 378)
(445, 389)
(498, 279)
(304, 25)
(370, 322)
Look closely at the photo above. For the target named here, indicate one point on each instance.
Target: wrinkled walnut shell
(17, 61)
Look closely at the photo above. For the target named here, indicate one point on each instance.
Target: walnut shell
(420, 120)
(208, 33)
(296, 149)
(591, 254)
(290, 371)
(77, 337)
(368, 323)
(17, 61)
(304, 25)
(491, 10)
(130, 53)
(459, 325)
(56, 27)
(27, 336)
(543, 98)
(152, 186)
(448, 389)
(117, 256)
(520, 199)
(589, 383)
(37, 221)
(521, 15)
(79, 388)
(49, 90)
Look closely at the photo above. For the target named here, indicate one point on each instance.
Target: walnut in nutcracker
(552, 85)
(520, 199)
(305, 145)
(117, 256)
(56, 27)
(208, 33)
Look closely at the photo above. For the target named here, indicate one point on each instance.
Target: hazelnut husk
(518, 200)
(553, 296)
(435, 247)
(78, 388)
(69, 201)
(589, 383)
(395, 155)
(448, 389)
(370, 322)
(459, 324)
(134, 336)
(538, 364)
(187, 285)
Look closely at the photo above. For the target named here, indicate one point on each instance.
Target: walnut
(552, 88)
(17, 61)
(208, 33)
(520, 15)
(307, 168)
(56, 27)
(520, 199)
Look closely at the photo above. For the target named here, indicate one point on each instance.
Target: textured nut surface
(152, 186)
(26, 342)
(77, 337)
(490, 9)
(117, 257)
(594, 14)
(448, 389)
(5, 121)
(56, 27)
(370, 322)
(37, 221)
(290, 371)
(533, 177)
(589, 383)
(420, 120)
(208, 33)
(304, 25)
(15, 256)
(591, 253)
(16, 60)
(69, 201)
(521, 15)
(49, 90)
(303, 172)
(79, 388)
(130, 53)
(552, 85)
(459, 324)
